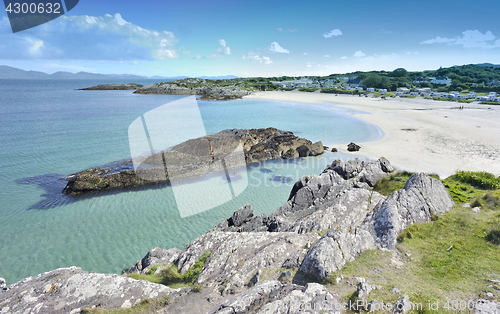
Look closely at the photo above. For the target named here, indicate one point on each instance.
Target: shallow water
(49, 130)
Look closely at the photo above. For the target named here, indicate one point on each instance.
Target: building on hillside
(441, 80)
(354, 83)
(494, 83)
(471, 95)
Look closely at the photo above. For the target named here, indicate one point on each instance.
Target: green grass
(170, 276)
(481, 179)
(392, 182)
(145, 306)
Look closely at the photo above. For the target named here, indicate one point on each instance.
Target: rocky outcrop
(420, 199)
(68, 290)
(328, 220)
(155, 257)
(235, 257)
(271, 297)
(195, 86)
(196, 157)
(130, 86)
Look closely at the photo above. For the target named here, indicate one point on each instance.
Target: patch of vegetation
(153, 269)
(170, 276)
(308, 89)
(145, 306)
(481, 179)
(392, 182)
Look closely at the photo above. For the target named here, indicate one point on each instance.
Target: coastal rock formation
(195, 86)
(196, 157)
(271, 297)
(328, 220)
(130, 86)
(420, 199)
(68, 290)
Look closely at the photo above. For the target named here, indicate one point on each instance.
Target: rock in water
(197, 157)
(353, 147)
(69, 290)
(130, 86)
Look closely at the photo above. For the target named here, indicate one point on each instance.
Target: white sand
(420, 135)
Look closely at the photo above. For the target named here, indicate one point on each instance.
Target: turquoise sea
(49, 130)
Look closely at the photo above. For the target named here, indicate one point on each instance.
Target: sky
(257, 38)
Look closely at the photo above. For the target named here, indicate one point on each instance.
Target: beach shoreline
(419, 134)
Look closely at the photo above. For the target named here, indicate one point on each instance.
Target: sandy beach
(419, 135)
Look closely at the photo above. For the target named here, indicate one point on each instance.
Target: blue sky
(257, 38)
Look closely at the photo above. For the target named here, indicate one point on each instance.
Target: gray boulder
(235, 257)
(241, 215)
(69, 290)
(2, 284)
(154, 257)
(363, 290)
(317, 149)
(420, 199)
(271, 297)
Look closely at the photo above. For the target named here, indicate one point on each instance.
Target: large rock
(271, 297)
(236, 257)
(155, 257)
(68, 290)
(420, 199)
(226, 150)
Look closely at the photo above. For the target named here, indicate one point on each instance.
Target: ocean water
(49, 130)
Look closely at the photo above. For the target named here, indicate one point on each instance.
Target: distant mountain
(7, 72)
(14, 73)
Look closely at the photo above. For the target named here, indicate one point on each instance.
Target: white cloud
(309, 66)
(222, 49)
(469, 39)
(290, 30)
(359, 54)
(83, 37)
(343, 58)
(305, 53)
(333, 32)
(275, 47)
(327, 56)
(257, 58)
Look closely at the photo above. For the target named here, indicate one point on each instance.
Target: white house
(461, 96)
(482, 98)
(403, 90)
(370, 89)
(492, 94)
(441, 80)
(471, 95)
(359, 88)
(414, 93)
(382, 90)
(434, 94)
(354, 83)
